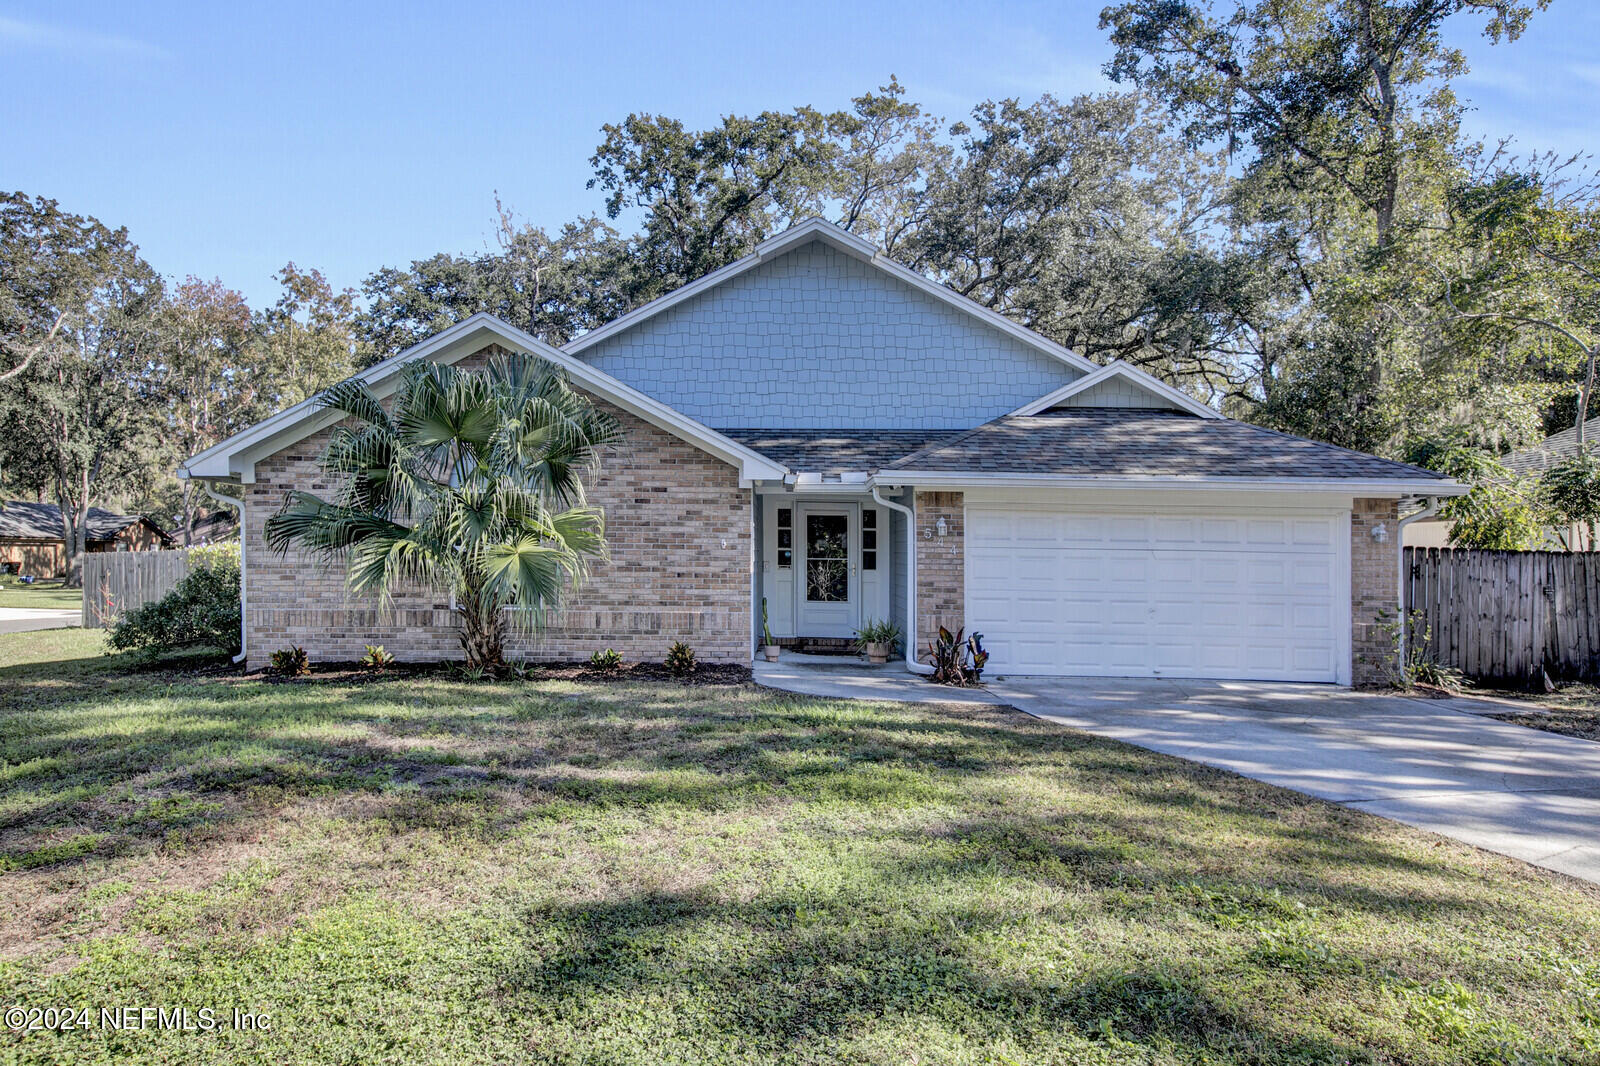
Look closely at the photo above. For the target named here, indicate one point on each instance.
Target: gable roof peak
(820, 229)
(1177, 398)
(235, 457)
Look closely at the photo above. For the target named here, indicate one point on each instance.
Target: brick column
(941, 567)
(1374, 587)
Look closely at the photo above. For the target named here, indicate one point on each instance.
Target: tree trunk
(1584, 395)
(188, 514)
(482, 636)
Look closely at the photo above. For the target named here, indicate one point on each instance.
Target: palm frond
(353, 398)
(526, 573)
(583, 531)
(317, 526)
(380, 564)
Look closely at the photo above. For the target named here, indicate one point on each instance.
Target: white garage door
(1130, 593)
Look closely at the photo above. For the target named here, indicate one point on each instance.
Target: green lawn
(44, 593)
(432, 871)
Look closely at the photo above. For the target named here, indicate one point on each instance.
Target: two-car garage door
(1159, 591)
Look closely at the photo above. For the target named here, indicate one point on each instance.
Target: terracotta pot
(878, 653)
(771, 652)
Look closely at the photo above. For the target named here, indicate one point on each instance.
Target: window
(827, 558)
(785, 537)
(869, 540)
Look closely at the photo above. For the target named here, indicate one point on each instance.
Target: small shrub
(609, 661)
(202, 610)
(377, 659)
(958, 661)
(1416, 664)
(680, 660)
(291, 662)
(473, 673)
(881, 632)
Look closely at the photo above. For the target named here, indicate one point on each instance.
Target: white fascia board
(850, 244)
(1374, 487)
(236, 456)
(1118, 369)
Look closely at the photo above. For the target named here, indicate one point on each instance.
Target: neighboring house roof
(1121, 443)
(213, 525)
(1537, 458)
(833, 451)
(236, 456)
(22, 520)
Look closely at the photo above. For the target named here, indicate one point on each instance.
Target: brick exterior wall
(680, 534)
(1374, 587)
(941, 567)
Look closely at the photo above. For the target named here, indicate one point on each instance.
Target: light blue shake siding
(818, 339)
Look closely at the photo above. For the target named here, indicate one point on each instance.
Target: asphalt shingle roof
(42, 521)
(1122, 442)
(1537, 458)
(832, 451)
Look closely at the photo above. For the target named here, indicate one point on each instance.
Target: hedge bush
(202, 611)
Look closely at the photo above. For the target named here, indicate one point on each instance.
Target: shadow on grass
(157, 757)
(809, 975)
(936, 814)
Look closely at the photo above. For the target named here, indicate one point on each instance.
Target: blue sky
(231, 138)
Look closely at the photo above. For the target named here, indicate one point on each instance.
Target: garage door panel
(1242, 596)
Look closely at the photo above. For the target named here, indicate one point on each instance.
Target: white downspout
(1430, 507)
(911, 582)
(238, 506)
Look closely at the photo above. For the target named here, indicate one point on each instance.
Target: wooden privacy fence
(1506, 616)
(115, 582)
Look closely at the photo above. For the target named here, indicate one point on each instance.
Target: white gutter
(1429, 509)
(238, 506)
(1353, 487)
(911, 582)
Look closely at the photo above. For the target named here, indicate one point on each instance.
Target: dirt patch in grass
(1572, 710)
(1572, 722)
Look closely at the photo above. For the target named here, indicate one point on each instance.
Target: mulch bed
(1581, 723)
(350, 673)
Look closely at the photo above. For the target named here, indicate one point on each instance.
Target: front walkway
(26, 619)
(1439, 765)
(853, 678)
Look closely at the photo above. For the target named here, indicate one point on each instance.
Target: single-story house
(33, 542)
(820, 429)
(1523, 464)
(210, 527)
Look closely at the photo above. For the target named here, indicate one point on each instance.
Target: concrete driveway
(1435, 764)
(24, 619)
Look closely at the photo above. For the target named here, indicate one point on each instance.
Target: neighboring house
(821, 428)
(209, 528)
(1524, 463)
(32, 540)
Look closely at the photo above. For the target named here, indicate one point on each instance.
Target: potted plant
(769, 647)
(878, 639)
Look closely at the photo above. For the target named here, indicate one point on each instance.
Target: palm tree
(471, 484)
